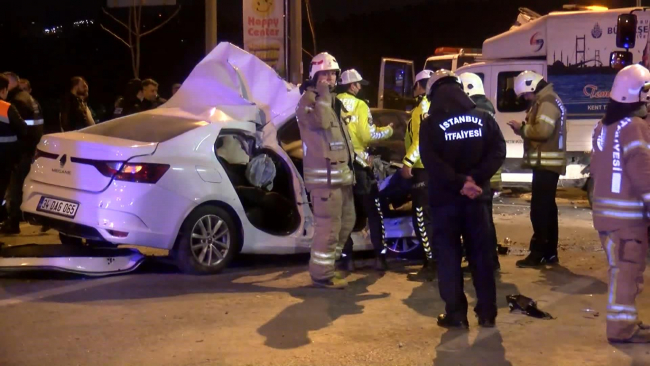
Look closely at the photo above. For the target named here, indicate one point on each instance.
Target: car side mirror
(620, 59)
(626, 31)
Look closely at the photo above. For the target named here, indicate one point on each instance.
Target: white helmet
(472, 84)
(631, 85)
(424, 74)
(323, 62)
(352, 76)
(527, 82)
(440, 76)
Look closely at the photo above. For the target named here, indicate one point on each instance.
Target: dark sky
(357, 32)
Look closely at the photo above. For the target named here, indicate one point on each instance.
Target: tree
(134, 31)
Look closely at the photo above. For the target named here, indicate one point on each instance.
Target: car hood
(230, 84)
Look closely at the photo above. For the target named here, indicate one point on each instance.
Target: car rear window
(144, 127)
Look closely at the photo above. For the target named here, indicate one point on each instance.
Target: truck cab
(574, 50)
(397, 75)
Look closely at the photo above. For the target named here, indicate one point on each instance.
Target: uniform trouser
(493, 232)
(626, 252)
(16, 187)
(8, 154)
(469, 220)
(422, 213)
(543, 213)
(368, 206)
(334, 218)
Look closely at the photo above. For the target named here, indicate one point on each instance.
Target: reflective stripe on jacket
(412, 137)
(620, 168)
(360, 124)
(327, 148)
(544, 133)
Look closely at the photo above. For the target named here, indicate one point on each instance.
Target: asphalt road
(264, 312)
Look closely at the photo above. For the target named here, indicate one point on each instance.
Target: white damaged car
(203, 176)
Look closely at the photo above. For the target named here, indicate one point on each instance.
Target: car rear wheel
(402, 245)
(207, 243)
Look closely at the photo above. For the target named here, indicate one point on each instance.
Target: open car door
(396, 84)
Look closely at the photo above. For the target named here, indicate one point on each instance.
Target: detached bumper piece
(72, 259)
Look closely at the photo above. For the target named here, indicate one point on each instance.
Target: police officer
(473, 86)
(620, 167)
(11, 127)
(414, 170)
(366, 193)
(327, 169)
(544, 134)
(31, 112)
(461, 147)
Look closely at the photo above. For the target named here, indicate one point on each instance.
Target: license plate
(57, 207)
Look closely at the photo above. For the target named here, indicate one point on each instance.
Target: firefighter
(473, 86)
(544, 135)
(30, 111)
(357, 116)
(461, 148)
(414, 170)
(327, 168)
(620, 167)
(12, 126)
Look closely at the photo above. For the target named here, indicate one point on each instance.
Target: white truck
(573, 50)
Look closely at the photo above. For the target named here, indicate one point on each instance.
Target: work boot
(334, 283)
(445, 321)
(487, 322)
(9, 229)
(427, 273)
(532, 261)
(642, 335)
(380, 263)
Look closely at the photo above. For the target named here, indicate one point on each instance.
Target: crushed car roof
(230, 84)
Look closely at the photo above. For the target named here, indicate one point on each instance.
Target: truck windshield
(435, 65)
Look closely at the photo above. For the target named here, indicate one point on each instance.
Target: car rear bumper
(149, 215)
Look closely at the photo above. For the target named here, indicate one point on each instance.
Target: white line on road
(62, 290)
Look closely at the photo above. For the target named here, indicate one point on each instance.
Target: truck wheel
(207, 242)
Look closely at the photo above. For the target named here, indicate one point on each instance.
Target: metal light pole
(295, 35)
(210, 25)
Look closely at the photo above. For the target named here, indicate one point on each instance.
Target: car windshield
(144, 127)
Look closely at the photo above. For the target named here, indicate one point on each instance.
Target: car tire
(404, 247)
(207, 242)
(70, 240)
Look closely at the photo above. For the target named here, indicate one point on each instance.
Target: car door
(396, 84)
(269, 136)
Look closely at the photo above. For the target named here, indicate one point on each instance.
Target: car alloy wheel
(210, 240)
(402, 245)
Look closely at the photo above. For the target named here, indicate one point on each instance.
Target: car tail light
(142, 172)
(43, 154)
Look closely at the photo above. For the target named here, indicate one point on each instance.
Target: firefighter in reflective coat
(366, 193)
(620, 168)
(327, 169)
(473, 86)
(461, 148)
(544, 134)
(12, 126)
(414, 170)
